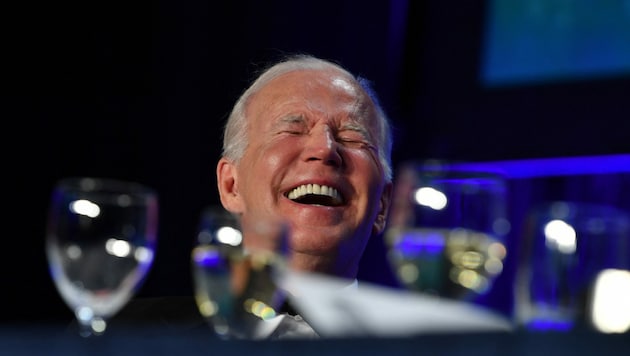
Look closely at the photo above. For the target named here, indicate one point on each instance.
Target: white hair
(235, 133)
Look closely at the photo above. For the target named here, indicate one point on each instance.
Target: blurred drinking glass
(100, 242)
(446, 229)
(237, 284)
(575, 273)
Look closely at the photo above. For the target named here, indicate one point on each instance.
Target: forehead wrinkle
(274, 108)
(362, 114)
(357, 110)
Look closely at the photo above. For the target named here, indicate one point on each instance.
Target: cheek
(262, 167)
(278, 154)
(271, 161)
(369, 176)
(365, 163)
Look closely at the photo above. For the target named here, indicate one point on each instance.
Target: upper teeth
(314, 189)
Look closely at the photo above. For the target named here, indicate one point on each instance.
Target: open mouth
(315, 194)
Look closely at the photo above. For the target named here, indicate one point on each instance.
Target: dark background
(140, 91)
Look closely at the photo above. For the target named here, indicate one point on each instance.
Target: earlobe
(384, 203)
(227, 179)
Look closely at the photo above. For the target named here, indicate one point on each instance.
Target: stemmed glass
(101, 237)
(446, 229)
(237, 284)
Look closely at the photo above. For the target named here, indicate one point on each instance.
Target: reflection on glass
(610, 307)
(100, 242)
(576, 268)
(446, 228)
(236, 286)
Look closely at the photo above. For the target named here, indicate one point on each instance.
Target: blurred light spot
(259, 309)
(561, 236)
(73, 252)
(85, 207)
(123, 200)
(88, 184)
(222, 330)
(497, 250)
(471, 259)
(454, 274)
(560, 210)
(143, 254)
(414, 242)
(267, 313)
(550, 325)
(493, 266)
(456, 257)
(207, 308)
(84, 314)
(204, 237)
(98, 325)
(408, 273)
(610, 310)
(229, 235)
(260, 260)
(468, 278)
(207, 257)
(431, 197)
(501, 226)
(472, 280)
(119, 248)
(458, 237)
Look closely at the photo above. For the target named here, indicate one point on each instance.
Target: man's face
(312, 160)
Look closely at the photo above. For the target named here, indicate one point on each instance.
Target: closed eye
(353, 136)
(351, 141)
(293, 125)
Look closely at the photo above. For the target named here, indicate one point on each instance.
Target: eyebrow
(289, 119)
(354, 125)
(351, 125)
(292, 118)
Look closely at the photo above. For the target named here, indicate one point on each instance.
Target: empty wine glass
(100, 242)
(446, 229)
(237, 283)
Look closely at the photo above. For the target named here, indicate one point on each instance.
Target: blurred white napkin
(337, 308)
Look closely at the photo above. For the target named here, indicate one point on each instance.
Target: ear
(383, 209)
(227, 182)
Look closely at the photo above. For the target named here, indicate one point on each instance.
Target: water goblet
(236, 270)
(446, 229)
(575, 273)
(101, 237)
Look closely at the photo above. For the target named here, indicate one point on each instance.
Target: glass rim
(96, 184)
(453, 168)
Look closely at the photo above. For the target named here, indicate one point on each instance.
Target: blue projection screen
(534, 41)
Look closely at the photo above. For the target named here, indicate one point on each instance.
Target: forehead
(318, 90)
(312, 79)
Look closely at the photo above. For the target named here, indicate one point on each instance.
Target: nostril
(330, 157)
(322, 146)
(334, 161)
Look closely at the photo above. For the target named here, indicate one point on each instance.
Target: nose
(322, 146)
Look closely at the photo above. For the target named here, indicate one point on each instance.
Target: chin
(314, 243)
